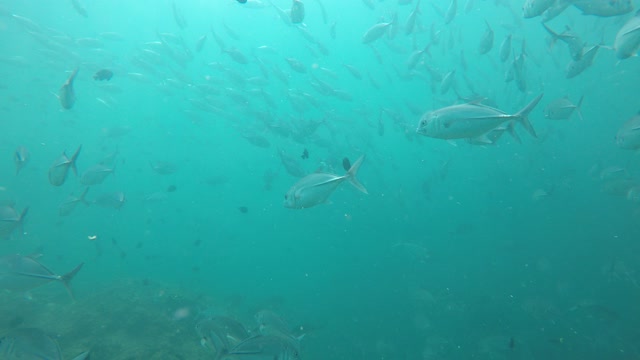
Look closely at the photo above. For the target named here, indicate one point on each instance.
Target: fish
(96, 174)
(576, 67)
(628, 136)
(573, 41)
(23, 273)
(220, 334)
(305, 154)
(242, 1)
(451, 12)
(269, 346)
(104, 74)
(21, 158)
(163, 167)
(114, 200)
(533, 8)
(66, 95)
(10, 220)
(200, 43)
(297, 12)
(505, 48)
(70, 203)
(562, 109)
(79, 8)
(292, 165)
(627, 42)
(486, 43)
(32, 344)
(178, 16)
(296, 65)
(604, 8)
(236, 55)
(411, 20)
(375, 32)
(29, 344)
(60, 168)
(447, 81)
(315, 189)
(270, 323)
(471, 121)
(557, 8)
(354, 72)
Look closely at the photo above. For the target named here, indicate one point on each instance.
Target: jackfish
(66, 95)
(316, 188)
(60, 168)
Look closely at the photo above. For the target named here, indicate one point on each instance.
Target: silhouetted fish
(22, 273)
(66, 95)
(60, 168)
(103, 74)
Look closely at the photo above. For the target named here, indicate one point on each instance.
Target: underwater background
(511, 250)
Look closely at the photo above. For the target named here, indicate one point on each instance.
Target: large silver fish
(627, 41)
(32, 344)
(628, 136)
(471, 121)
(10, 220)
(96, 174)
(66, 95)
(375, 32)
(60, 168)
(316, 188)
(23, 273)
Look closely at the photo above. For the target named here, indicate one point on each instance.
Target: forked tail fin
(523, 115)
(353, 171)
(66, 279)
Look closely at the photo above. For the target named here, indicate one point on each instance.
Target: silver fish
(114, 200)
(375, 32)
(21, 157)
(533, 8)
(558, 7)
(270, 323)
(411, 20)
(562, 109)
(60, 168)
(29, 344)
(220, 334)
(486, 43)
(576, 67)
(96, 174)
(32, 344)
(163, 167)
(573, 41)
(271, 347)
(200, 43)
(66, 95)
(70, 203)
(628, 136)
(505, 48)
(627, 41)
(451, 11)
(291, 164)
(471, 121)
(10, 220)
(316, 188)
(23, 273)
(79, 8)
(604, 8)
(447, 81)
(297, 12)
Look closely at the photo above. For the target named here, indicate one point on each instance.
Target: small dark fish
(346, 164)
(66, 95)
(512, 343)
(243, 209)
(242, 1)
(103, 74)
(297, 12)
(171, 188)
(21, 157)
(305, 154)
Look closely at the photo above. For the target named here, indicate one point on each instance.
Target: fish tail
(73, 160)
(353, 171)
(66, 279)
(554, 35)
(578, 108)
(523, 115)
(21, 220)
(511, 129)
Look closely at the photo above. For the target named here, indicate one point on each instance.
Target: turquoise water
(505, 251)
